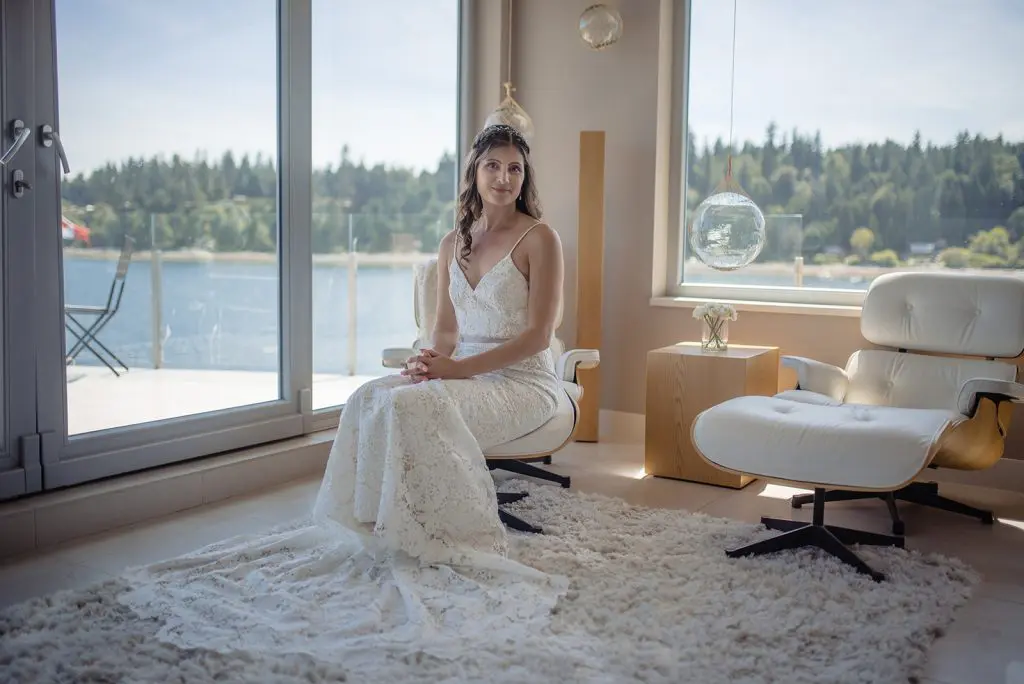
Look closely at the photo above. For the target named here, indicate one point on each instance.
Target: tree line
(230, 205)
(961, 203)
(884, 203)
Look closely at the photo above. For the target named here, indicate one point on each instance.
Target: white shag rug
(653, 588)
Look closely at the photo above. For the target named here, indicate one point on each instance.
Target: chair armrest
(570, 361)
(815, 376)
(998, 390)
(395, 357)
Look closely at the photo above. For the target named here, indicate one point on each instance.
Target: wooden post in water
(353, 269)
(156, 295)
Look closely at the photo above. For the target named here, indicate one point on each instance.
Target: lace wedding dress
(405, 551)
(408, 456)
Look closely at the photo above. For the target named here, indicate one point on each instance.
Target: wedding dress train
(405, 549)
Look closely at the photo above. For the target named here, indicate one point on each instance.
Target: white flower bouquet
(716, 317)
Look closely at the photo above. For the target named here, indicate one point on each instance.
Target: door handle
(50, 136)
(20, 134)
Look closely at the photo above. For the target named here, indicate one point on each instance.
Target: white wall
(567, 88)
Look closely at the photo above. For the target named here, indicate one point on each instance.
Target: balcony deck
(99, 400)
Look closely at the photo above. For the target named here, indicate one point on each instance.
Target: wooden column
(589, 278)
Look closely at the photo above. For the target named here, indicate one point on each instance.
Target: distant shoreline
(198, 256)
(409, 259)
(841, 271)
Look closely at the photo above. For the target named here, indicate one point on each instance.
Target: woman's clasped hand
(430, 364)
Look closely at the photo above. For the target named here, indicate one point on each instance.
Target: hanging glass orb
(511, 113)
(600, 26)
(727, 231)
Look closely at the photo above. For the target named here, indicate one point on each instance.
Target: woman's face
(500, 174)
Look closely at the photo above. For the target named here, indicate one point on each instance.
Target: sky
(860, 71)
(146, 77)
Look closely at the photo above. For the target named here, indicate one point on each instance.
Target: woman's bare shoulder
(540, 235)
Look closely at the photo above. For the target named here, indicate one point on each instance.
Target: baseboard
(1007, 474)
(43, 520)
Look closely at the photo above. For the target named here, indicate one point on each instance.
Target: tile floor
(984, 646)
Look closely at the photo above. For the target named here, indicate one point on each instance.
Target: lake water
(224, 315)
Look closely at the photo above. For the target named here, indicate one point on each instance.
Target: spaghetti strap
(525, 233)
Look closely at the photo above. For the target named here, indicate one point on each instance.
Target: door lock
(18, 183)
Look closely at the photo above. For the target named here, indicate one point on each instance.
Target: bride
(406, 552)
(408, 455)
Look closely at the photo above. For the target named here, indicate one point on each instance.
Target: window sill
(764, 307)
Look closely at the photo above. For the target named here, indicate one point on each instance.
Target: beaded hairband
(501, 130)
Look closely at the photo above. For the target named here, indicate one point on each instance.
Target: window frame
(674, 71)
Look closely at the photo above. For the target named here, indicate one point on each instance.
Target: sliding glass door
(182, 190)
(169, 226)
(164, 284)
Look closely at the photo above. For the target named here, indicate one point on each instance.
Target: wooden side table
(682, 381)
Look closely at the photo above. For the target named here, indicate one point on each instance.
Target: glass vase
(715, 334)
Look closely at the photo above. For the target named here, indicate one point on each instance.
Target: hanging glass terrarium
(511, 113)
(600, 26)
(727, 231)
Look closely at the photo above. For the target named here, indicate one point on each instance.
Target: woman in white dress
(406, 552)
(407, 464)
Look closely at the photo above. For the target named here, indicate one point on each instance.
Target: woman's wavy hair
(471, 205)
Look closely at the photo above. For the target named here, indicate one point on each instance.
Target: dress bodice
(496, 309)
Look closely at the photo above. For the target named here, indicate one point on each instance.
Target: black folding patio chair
(86, 335)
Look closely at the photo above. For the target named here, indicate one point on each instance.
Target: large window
(385, 115)
(874, 137)
(169, 216)
(195, 196)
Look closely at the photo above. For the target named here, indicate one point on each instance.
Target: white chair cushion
(886, 378)
(808, 397)
(852, 446)
(949, 313)
(818, 377)
(548, 437)
(425, 299)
